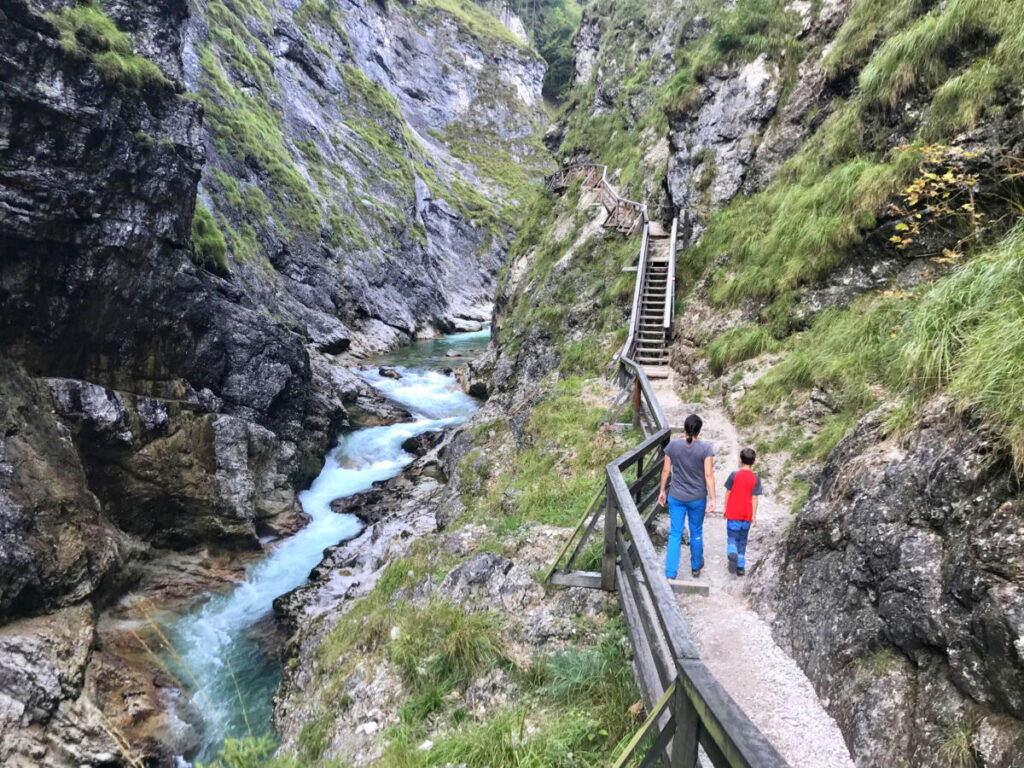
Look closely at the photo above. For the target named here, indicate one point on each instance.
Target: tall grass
(796, 231)
(738, 344)
(963, 334)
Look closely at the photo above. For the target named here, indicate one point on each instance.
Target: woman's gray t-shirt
(688, 482)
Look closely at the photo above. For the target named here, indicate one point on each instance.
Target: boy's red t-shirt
(743, 485)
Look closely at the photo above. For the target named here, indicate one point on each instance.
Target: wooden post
(611, 515)
(683, 752)
(637, 405)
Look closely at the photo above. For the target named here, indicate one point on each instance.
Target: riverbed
(219, 654)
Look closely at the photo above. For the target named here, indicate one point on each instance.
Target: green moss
(85, 30)
(249, 130)
(209, 248)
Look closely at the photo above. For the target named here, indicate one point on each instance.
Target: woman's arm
(666, 473)
(709, 481)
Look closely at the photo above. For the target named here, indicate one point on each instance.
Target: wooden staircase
(651, 335)
(654, 293)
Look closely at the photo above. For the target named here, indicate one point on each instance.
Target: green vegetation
(485, 29)
(957, 750)
(796, 231)
(85, 30)
(575, 712)
(551, 25)
(555, 472)
(963, 334)
(554, 282)
(209, 249)
(739, 344)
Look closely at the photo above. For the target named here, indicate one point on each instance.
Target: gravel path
(734, 642)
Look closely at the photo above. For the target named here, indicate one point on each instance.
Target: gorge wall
(202, 205)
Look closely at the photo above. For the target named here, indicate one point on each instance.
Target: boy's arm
(666, 473)
(728, 490)
(753, 501)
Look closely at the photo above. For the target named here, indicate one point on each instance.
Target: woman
(689, 463)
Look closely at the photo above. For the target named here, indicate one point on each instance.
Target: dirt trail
(733, 640)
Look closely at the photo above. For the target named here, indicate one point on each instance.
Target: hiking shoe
(695, 573)
(732, 562)
(740, 570)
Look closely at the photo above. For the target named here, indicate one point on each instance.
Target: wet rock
(389, 373)
(57, 547)
(422, 444)
(454, 353)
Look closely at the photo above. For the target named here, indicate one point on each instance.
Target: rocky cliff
(201, 206)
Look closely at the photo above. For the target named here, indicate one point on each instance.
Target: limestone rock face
(56, 545)
(925, 632)
(712, 149)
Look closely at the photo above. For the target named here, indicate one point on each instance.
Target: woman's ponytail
(692, 427)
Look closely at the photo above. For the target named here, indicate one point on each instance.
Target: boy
(741, 496)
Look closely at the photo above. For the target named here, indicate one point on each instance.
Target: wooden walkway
(703, 708)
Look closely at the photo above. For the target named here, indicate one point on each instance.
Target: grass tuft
(85, 30)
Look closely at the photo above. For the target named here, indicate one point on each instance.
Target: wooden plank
(658, 749)
(656, 641)
(683, 752)
(740, 742)
(594, 510)
(632, 456)
(714, 754)
(648, 724)
(610, 524)
(568, 541)
(649, 680)
(587, 579)
(652, 471)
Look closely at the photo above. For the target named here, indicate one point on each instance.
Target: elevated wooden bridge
(690, 713)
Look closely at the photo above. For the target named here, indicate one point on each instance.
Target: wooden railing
(686, 704)
(625, 215)
(670, 286)
(641, 271)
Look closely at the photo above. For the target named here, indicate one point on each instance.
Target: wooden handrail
(634, 315)
(576, 170)
(703, 712)
(670, 285)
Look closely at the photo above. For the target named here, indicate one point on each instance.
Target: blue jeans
(737, 531)
(693, 513)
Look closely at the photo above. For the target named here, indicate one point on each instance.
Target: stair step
(656, 371)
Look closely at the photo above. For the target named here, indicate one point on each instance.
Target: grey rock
(899, 589)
